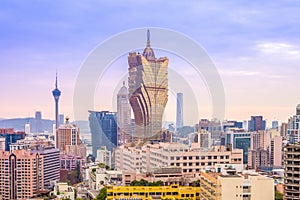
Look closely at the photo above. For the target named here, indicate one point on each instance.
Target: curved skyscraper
(148, 91)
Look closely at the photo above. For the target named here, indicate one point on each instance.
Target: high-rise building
(148, 91)
(56, 94)
(179, 111)
(123, 116)
(274, 124)
(291, 171)
(276, 151)
(27, 128)
(50, 155)
(293, 127)
(21, 174)
(38, 122)
(283, 129)
(256, 123)
(61, 119)
(103, 128)
(11, 136)
(67, 134)
(239, 139)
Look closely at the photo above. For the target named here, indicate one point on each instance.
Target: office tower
(274, 124)
(291, 171)
(21, 175)
(103, 128)
(11, 136)
(239, 139)
(61, 119)
(148, 91)
(56, 94)
(67, 134)
(123, 116)
(256, 123)
(293, 128)
(27, 128)
(179, 111)
(38, 122)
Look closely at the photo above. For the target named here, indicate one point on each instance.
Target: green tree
(102, 194)
(278, 195)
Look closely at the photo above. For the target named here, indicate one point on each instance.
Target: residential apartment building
(292, 171)
(21, 174)
(50, 154)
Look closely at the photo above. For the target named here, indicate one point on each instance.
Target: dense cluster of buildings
(218, 160)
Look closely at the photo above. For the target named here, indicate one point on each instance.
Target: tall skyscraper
(103, 127)
(56, 94)
(179, 111)
(148, 91)
(123, 116)
(256, 123)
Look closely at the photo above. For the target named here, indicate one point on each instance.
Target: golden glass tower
(148, 91)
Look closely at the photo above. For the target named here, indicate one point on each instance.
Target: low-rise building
(153, 192)
(104, 156)
(231, 185)
(100, 176)
(191, 159)
(64, 191)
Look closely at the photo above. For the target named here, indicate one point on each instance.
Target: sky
(254, 45)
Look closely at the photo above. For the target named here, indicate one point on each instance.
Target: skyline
(254, 46)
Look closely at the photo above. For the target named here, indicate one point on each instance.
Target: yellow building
(153, 192)
(232, 186)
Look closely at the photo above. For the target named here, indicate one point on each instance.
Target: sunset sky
(255, 46)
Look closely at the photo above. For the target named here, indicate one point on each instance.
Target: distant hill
(19, 124)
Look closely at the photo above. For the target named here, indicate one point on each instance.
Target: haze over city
(254, 46)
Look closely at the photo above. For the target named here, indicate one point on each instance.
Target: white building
(190, 158)
(98, 177)
(104, 156)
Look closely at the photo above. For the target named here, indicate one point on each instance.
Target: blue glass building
(240, 140)
(103, 128)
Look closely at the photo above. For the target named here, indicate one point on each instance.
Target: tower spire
(56, 80)
(148, 38)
